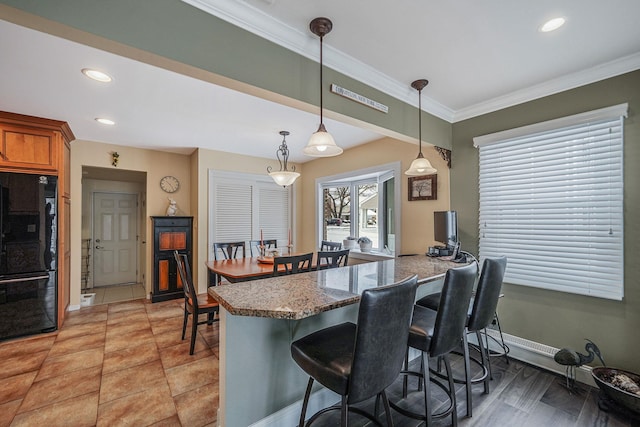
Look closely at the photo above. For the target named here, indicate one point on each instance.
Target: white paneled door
(114, 238)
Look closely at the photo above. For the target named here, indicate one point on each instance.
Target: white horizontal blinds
(552, 202)
(233, 211)
(273, 212)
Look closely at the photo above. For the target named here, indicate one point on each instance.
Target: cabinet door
(28, 148)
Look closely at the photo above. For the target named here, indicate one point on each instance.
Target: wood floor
(521, 395)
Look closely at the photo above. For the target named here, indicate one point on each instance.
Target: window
(361, 203)
(551, 200)
(242, 205)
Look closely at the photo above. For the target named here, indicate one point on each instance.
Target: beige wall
(417, 216)
(555, 318)
(155, 163)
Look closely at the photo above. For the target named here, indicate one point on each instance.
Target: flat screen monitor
(445, 227)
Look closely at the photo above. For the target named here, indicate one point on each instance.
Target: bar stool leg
(303, 414)
(467, 372)
(427, 387)
(452, 392)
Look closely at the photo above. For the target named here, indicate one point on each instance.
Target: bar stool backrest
(382, 333)
(485, 301)
(452, 310)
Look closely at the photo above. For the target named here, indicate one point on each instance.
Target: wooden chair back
(328, 245)
(229, 250)
(292, 264)
(332, 259)
(254, 245)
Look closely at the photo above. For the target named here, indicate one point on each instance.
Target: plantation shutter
(551, 200)
(233, 211)
(274, 212)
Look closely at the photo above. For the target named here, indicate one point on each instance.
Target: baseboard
(527, 351)
(536, 354)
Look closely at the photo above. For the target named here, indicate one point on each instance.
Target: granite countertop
(302, 295)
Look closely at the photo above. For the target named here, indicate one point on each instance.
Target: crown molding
(305, 44)
(570, 81)
(258, 22)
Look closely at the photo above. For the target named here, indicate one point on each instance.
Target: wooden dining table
(239, 269)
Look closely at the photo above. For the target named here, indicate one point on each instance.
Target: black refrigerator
(28, 258)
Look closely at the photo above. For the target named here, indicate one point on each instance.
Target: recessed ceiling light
(96, 75)
(105, 121)
(552, 24)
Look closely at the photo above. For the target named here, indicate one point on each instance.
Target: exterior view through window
(361, 203)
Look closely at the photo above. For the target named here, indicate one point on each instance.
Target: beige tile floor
(117, 364)
(116, 293)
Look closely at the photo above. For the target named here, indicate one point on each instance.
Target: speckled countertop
(302, 295)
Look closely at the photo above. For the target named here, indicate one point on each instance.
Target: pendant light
(284, 176)
(321, 143)
(420, 166)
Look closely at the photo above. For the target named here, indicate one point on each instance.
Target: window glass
(337, 213)
(362, 203)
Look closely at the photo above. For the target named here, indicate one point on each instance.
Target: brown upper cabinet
(32, 143)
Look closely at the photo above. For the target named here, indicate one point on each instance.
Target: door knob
(98, 247)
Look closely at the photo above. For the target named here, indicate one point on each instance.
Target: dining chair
(229, 250)
(327, 245)
(332, 259)
(255, 245)
(481, 312)
(437, 333)
(292, 264)
(194, 304)
(359, 361)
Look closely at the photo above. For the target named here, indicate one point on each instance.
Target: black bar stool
(360, 361)
(437, 333)
(481, 313)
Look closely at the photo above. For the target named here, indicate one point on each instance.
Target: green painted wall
(203, 46)
(555, 318)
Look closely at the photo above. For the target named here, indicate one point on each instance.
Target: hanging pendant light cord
(420, 123)
(321, 37)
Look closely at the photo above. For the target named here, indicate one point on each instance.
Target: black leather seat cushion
(327, 354)
(422, 327)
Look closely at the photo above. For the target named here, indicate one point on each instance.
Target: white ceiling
(478, 57)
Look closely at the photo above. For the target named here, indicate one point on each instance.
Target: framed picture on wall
(423, 187)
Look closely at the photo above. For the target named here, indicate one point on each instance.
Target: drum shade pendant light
(321, 143)
(284, 176)
(420, 166)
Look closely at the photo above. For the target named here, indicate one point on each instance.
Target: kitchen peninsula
(259, 320)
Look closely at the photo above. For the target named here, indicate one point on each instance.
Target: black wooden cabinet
(169, 233)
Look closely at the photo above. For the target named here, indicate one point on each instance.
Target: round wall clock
(169, 184)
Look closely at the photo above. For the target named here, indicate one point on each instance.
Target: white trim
(73, 307)
(601, 114)
(258, 22)
(560, 84)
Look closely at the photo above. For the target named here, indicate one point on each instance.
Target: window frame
(374, 174)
